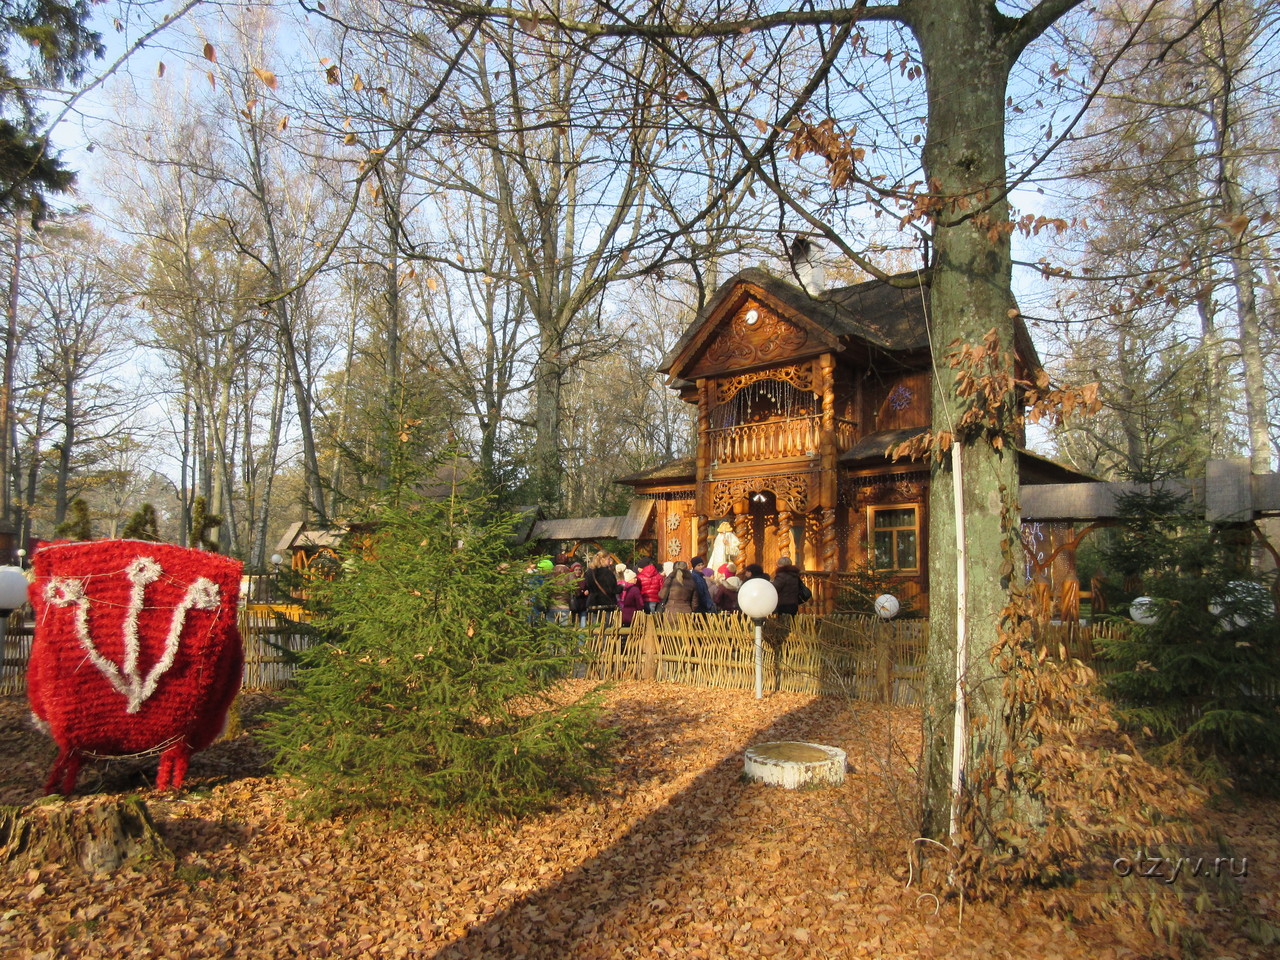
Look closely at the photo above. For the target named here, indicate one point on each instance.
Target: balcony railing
(778, 439)
(773, 440)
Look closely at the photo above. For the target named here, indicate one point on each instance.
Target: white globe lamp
(1144, 610)
(758, 598)
(13, 590)
(887, 606)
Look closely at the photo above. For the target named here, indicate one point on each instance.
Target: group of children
(604, 584)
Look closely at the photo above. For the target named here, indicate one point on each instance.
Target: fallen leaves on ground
(678, 857)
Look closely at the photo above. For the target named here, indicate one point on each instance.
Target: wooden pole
(960, 728)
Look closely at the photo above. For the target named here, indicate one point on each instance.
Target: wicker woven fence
(14, 654)
(272, 638)
(846, 655)
(842, 654)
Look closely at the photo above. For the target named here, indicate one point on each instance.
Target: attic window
(751, 317)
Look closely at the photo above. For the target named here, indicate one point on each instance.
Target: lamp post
(758, 598)
(276, 560)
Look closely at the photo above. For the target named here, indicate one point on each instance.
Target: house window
(895, 538)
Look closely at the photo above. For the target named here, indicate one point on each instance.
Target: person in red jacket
(651, 580)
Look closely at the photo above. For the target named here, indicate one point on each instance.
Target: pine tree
(432, 686)
(1200, 681)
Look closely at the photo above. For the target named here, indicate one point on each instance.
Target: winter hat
(668, 566)
(545, 564)
(734, 583)
(629, 576)
(618, 568)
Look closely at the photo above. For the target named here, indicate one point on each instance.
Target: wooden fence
(272, 636)
(842, 654)
(846, 655)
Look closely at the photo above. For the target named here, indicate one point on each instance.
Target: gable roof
(874, 312)
(629, 527)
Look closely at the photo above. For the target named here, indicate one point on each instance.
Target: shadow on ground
(568, 917)
(27, 755)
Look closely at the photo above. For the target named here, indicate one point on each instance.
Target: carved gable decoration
(747, 332)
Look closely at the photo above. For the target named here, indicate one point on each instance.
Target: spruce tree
(431, 687)
(1200, 682)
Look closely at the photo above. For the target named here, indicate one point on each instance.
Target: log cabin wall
(898, 400)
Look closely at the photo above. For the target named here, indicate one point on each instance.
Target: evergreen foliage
(1201, 682)
(76, 525)
(862, 586)
(142, 525)
(43, 43)
(432, 686)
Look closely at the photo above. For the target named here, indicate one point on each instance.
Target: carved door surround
(793, 492)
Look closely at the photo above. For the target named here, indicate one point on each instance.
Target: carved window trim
(885, 488)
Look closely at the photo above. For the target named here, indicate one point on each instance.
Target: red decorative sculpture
(136, 650)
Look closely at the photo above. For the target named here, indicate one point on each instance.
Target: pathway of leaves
(680, 857)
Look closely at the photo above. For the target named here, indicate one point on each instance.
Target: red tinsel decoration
(136, 650)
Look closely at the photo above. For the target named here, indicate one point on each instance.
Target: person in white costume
(726, 546)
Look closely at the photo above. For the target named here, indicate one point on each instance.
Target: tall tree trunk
(1215, 414)
(548, 386)
(1219, 55)
(6, 388)
(337, 478)
(62, 478)
(187, 471)
(964, 161)
(283, 301)
(258, 556)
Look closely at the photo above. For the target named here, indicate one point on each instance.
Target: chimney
(811, 274)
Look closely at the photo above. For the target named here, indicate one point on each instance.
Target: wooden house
(799, 397)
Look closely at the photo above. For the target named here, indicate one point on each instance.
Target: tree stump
(92, 834)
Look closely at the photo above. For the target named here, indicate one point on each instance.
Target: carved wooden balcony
(782, 438)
